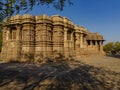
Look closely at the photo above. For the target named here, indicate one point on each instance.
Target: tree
(108, 47)
(117, 46)
(10, 7)
(112, 47)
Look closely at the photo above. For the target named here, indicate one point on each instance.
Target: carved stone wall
(44, 35)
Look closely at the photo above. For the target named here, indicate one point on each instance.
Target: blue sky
(101, 16)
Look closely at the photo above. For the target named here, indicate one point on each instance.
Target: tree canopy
(112, 47)
(10, 7)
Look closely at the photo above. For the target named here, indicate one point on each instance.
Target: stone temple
(45, 35)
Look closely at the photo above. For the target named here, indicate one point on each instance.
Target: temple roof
(94, 36)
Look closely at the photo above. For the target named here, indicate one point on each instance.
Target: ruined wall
(45, 35)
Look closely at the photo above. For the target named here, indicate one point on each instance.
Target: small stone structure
(46, 35)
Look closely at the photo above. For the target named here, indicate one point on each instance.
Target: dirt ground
(107, 62)
(89, 73)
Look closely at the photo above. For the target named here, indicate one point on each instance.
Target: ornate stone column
(81, 40)
(65, 34)
(72, 42)
(44, 39)
(91, 43)
(18, 33)
(58, 33)
(85, 42)
(77, 43)
(96, 43)
(28, 35)
(18, 42)
(8, 34)
(58, 39)
(4, 44)
(49, 39)
(101, 47)
(38, 39)
(43, 35)
(28, 38)
(65, 42)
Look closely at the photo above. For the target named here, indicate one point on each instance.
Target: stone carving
(44, 34)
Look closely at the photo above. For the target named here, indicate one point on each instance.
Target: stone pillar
(18, 42)
(91, 43)
(44, 38)
(4, 34)
(72, 43)
(65, 42)
(28, 38)
(18, 34)
(96, 43)
(49, 39)
(8, 36)
(58, 39)
(77, 43)
(101, 47)
(4, 44)
(65, 34)
(81, 40)
(85, 42)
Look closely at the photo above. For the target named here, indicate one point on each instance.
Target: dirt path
(70, 75)
(105, 62)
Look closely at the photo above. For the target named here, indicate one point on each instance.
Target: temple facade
(45, 35)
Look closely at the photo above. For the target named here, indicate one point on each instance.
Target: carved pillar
(18, 36)
(65, 41)
(77, 41)
(101, 47)
(4, 44)
(43, 35)
(28, 38)
(65, 34)
(58, 39)
(39, 39)
(8, 34)
(91, 42)
(49, 39)
(96, 43)
(44, 38)
(100, 43)
(8, 44)
(18, 42)
(81, 41)
(72, 43)
(85, 42)
(4, 34)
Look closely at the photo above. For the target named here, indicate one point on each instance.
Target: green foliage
(112, 46)
(117, 46)
(109, 46)
(10, 7)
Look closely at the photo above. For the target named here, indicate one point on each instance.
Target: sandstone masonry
(45, 35)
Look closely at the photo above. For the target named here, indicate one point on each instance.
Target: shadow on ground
(115, 56)
(57, 76)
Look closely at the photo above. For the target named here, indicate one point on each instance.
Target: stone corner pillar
(65, 42)
(81, 40)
